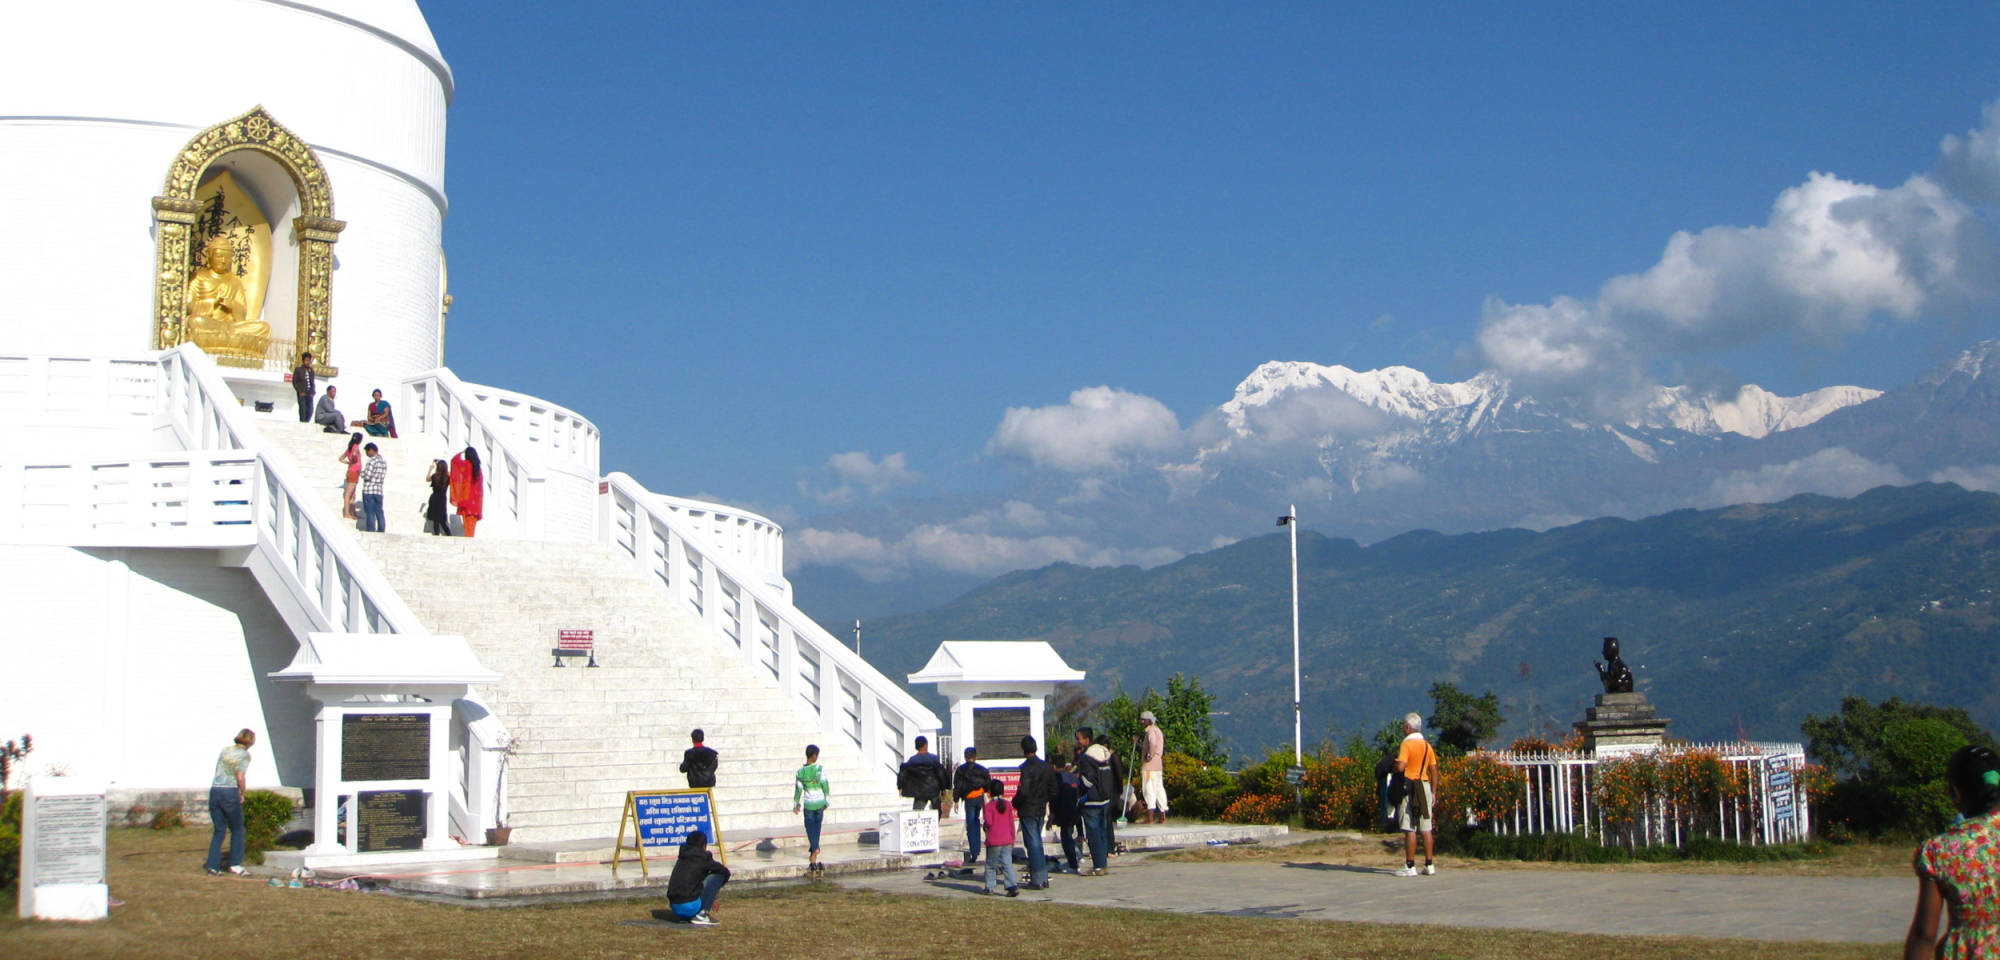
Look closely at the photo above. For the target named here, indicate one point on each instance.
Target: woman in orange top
(353, 460)
(468, 489)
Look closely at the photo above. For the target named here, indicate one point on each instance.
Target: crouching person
(696, 882)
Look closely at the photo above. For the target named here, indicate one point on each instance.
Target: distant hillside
(1742, 619)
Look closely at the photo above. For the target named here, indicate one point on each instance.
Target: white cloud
(1100, 429)
(1971, 163)
(1985, 478)
(960, 547)
(1833, 257)
(1833, 472)
(868, 556)
(857, 469)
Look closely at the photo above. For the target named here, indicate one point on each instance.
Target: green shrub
(264, 817)
(1196, 790)
(1576, 848)
(10, 841)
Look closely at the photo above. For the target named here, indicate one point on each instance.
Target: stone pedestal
(1622, 723)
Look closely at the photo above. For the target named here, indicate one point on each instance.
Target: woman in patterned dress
(1959, 869)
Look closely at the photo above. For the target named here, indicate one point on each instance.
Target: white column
(437, 801)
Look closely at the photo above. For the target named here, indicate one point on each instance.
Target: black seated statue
(1617, 677)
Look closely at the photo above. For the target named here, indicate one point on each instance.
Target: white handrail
(335, 586)
(824, 679)
(757, 539)
(440, 404)
(560, 433)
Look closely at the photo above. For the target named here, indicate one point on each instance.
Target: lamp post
(1298, 740)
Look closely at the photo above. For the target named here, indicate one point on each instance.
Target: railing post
(871, 729)
(786, 654)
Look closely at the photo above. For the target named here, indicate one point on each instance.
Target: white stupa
(191, 193)
(105, 101)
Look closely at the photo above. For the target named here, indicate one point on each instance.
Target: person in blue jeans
(225, 803)
(969, 783)
(809, 793)
(1066, 811)
(696, 882)
(1100, 778)
(373, 474)
(1032, 798)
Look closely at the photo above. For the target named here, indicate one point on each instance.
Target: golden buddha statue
(217, 308)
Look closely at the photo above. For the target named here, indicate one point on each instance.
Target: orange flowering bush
(1257, 808)
(1624, 787)
(1339, 793)
(1478, 787)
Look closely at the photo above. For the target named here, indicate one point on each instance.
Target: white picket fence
(1560, 795)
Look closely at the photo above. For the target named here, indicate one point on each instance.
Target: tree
(1184, 713)
(1888, 761)
(1462, 721)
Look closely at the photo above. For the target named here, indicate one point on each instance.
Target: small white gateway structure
(997, 692)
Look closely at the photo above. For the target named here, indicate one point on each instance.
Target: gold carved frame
(175, 211)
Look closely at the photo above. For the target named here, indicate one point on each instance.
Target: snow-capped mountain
(1410, 394)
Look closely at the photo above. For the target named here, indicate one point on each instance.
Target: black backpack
(1102, 780)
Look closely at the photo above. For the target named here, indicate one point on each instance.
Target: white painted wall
(138, 666)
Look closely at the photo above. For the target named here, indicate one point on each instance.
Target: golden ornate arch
(175, 211)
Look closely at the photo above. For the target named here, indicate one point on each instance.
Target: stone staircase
(316, 454)
(588, 735)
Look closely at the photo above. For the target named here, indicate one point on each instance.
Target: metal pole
(857, 638)
(1298, 727)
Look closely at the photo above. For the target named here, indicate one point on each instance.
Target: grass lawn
(174, 910)
(1851, 860)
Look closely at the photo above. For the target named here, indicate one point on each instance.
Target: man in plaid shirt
(372, 475)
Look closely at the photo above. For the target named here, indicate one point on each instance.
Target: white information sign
(909, 831)
(62, 850)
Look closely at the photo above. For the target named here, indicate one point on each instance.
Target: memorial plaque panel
(997, 732)
(390, 820)
(385, 746)
(69, 839)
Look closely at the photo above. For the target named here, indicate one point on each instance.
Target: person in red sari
(468, 489)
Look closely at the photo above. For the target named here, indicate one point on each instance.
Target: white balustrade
(874, 713)
(1559, 795)
(540, 470)
(757, 541)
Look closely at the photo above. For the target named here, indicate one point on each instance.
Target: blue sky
(748, 238)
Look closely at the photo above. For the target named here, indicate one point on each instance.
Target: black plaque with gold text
(390, 820)
(997, 731)
(385, 746)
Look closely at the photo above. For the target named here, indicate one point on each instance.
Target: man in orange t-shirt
(1418, 763)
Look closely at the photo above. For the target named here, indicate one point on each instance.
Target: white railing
(531, 493)
(1562, 792)
(48, 391)
(754, 539)
(868, 711)
(556, 434)
(194, 499)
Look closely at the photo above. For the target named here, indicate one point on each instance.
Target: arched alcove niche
(283, 176)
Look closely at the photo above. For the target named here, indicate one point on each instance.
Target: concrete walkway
(1839, 909)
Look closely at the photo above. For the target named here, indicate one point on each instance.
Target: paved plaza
(1838, 909)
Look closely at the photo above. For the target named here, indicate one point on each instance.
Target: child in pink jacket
(999, 817)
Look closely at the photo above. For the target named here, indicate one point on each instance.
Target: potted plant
(498, 834)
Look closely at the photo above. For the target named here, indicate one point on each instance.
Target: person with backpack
(1417, 765)
(999, 816)
(1101, 785)
(699, 763)
(969, 784)
(809, 793)
(921, 778)
(1066, 811)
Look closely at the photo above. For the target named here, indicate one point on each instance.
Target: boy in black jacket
(699, 763)
(1032, 797)
(696, 882)
(969, 784)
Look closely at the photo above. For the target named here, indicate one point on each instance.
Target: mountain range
(1737, 620)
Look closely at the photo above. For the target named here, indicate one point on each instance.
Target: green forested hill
(1736, 620)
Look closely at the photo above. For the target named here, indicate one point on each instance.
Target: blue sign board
(666, 819)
